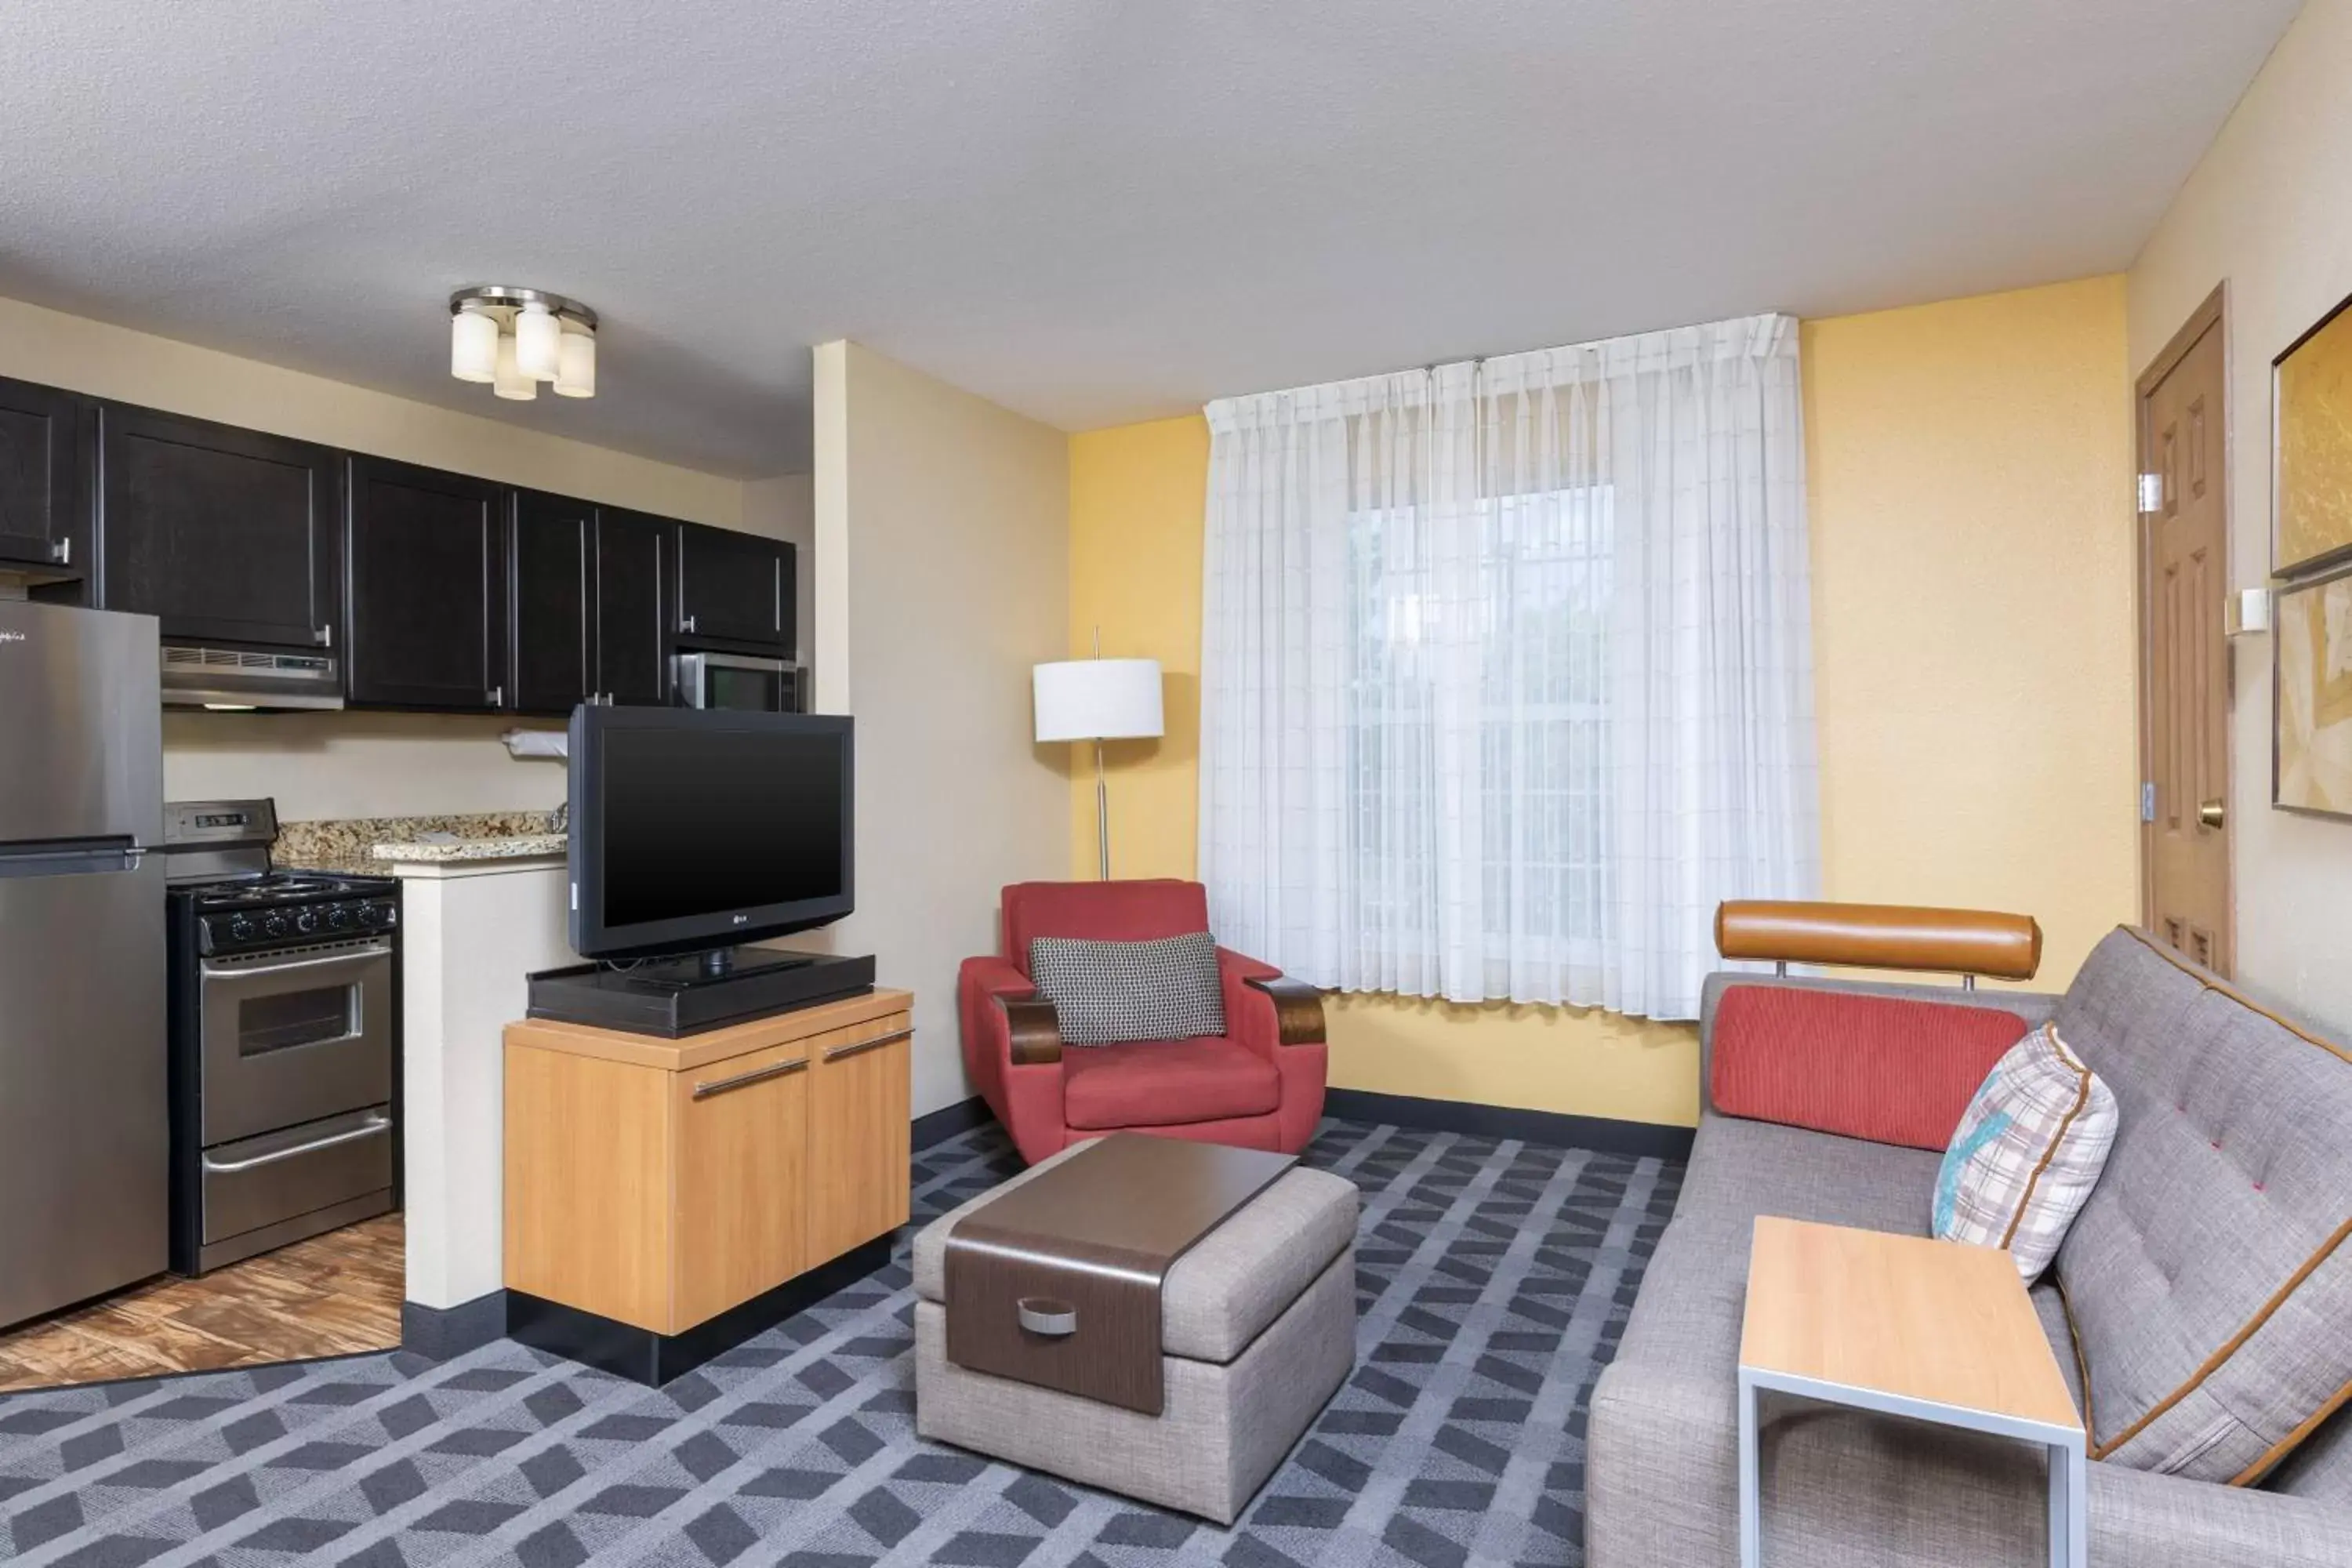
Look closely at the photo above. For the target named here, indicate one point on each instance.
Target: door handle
(2213, 812)
(498, 696)
(685, 624)
(746, 1080)
(857, 1047)
(374, 1126)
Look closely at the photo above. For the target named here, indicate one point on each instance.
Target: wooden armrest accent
(1298, 1009)
(1880, 936)
(1036, 1029)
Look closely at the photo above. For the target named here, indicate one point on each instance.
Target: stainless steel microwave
(744, 682)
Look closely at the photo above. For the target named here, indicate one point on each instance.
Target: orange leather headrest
(1880, 936)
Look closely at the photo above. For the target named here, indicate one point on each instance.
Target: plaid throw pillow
(1104, 991)
(2027, 1153)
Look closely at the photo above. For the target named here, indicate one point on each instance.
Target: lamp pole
(1102, 813)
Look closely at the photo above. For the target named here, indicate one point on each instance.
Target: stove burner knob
(307, 921)
(275, 925)
(340, 916)
(240, 929)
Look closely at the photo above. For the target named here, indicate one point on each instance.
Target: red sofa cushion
(1143, 910)
(1882, 1067)
(1165, 1083)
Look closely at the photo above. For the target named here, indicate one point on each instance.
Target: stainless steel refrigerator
(83, 1129)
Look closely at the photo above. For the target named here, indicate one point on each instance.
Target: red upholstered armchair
(1259, 1085)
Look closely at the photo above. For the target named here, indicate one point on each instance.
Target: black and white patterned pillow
(1107, 990)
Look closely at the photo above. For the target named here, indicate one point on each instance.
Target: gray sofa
(2230, 1179)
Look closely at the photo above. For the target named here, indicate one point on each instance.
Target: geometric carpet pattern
(1493, 1277)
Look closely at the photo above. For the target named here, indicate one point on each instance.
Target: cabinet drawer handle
(854, 1046)
(746, 1080)
(1045, 1315)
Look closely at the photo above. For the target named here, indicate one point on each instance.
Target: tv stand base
(674, 997)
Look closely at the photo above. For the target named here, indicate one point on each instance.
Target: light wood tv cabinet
(667, 1199)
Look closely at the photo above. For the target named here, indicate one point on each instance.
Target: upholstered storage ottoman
(1257, 1331)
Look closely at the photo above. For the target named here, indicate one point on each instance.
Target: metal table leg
(1751, 1504)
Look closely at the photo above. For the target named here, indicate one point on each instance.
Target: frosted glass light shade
(1099, 699)
(511, 382)
(576, 365)
(536, 348)
(473, 346)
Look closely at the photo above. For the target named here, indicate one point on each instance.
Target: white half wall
(2268, 210)
(942, 530)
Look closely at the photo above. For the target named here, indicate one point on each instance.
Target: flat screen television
(694, 829)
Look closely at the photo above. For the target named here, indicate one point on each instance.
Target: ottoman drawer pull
(1045, 1315)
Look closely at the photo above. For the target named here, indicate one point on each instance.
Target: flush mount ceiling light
(516, 338)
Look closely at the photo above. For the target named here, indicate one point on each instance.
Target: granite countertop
(372, 844)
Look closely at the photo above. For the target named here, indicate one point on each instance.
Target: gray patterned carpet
(1494, 1279)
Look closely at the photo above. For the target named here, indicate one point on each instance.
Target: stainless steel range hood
(238, 678)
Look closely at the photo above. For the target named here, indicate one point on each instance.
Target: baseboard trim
(950, 1120)
(439, 1334)
(653, 1358)
(1603, 1134)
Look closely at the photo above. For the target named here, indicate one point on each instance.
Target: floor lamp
(1100, 699)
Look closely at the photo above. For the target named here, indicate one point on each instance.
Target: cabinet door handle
(498, 696)
(746, 1080)
(324, 637)
(62, 553)
(685, 624)
(856, 1048)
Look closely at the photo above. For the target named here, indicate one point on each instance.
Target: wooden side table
(1906, 1326)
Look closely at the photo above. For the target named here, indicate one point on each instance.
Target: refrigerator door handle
(69, 858)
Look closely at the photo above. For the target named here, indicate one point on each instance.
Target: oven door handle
(220, 969)
(376, 1125)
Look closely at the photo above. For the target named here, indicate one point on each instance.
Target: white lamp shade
(510, 381)
(1099, 699)
(576, 365)
(538, 346)
(473, 346)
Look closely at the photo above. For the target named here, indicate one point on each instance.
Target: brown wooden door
(858, 1134)
(742, 1179)
(2184, 656)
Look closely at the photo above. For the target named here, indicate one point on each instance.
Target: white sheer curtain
(1506, 673)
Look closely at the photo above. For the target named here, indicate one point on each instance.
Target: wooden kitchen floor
(335, 1294)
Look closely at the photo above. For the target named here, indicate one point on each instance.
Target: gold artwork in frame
(2311, 488)
(2311, 689)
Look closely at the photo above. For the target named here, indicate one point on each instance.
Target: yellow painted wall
(1969, 466)
(1139, 496)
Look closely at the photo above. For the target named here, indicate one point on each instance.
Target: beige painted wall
(947, 518)
(1969, 469)
(2268, 210)
(350, 765)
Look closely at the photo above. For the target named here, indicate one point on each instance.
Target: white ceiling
(1091, 211)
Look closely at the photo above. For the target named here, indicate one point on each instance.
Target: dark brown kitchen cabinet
(632, 608)
(44, 496)
(733, 587)
(225, 535)
(553, 574)
(428, 588)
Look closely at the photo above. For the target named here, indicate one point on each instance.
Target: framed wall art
(2311, 696)
(2311, 479)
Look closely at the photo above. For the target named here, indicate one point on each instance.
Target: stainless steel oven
(285, 1060)
(293, 1036)
(741, 681)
